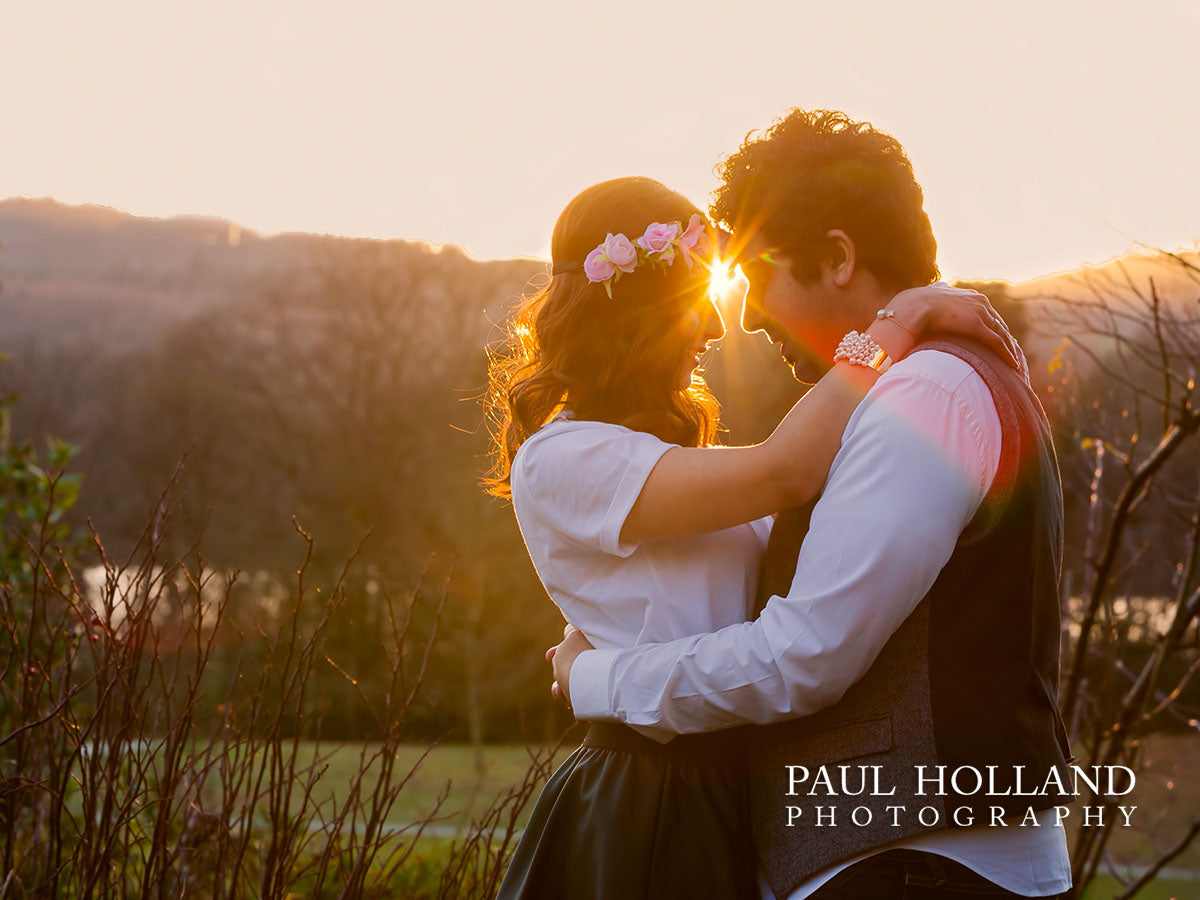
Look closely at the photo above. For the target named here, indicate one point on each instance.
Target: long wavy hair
(569, 346)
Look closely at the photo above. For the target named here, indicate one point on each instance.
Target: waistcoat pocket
(847, 740)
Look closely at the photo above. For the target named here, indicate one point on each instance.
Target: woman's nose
(714, 325)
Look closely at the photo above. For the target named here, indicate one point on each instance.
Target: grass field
(468, 781)
(1105, 887)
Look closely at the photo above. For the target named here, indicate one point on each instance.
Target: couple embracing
(874, 585)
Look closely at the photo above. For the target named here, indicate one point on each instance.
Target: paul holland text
(962, 781)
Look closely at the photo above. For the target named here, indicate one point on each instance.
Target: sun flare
(727, 284)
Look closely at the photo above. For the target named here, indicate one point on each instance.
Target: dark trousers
(908, 875)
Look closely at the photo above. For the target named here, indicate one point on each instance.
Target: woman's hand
(562, 657)
(922, 311)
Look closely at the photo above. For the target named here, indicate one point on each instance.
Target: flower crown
(660, 244)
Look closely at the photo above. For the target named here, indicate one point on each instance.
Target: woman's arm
(694, 490)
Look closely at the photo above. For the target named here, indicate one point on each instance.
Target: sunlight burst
(726, 284)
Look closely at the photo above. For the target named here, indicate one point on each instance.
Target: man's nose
(752, 317)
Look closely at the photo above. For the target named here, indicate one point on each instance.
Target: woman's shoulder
(574, 449)
(564, 434)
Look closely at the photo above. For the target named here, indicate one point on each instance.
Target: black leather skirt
(625, 817)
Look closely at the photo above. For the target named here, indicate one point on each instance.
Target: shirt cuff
(589, 685)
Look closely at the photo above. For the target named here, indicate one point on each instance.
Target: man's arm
(915, 463)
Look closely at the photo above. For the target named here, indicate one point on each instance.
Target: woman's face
(701, 325)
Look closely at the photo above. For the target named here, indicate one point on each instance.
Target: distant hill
(84, 284)
(1059, 304)
(120, 328)
(1176, 276)
(116, 281)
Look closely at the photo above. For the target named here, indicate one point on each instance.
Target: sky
(1045, 134)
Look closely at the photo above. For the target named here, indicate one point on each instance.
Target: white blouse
(573, 485)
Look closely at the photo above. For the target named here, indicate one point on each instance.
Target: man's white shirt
(917, 459)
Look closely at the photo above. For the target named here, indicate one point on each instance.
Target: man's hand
(562, 658)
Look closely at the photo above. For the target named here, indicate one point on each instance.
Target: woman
(643, 532)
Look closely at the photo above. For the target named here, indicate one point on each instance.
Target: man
(919, 635)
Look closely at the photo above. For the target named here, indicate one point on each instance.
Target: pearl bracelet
(861, 350)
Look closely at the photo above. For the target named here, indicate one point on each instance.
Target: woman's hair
(570, 347)
(816, 170)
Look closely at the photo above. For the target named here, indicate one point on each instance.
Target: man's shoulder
(941, 380)
(947, 371)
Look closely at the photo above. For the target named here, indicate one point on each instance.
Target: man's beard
(807, 367)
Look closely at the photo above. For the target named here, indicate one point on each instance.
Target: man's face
(804, 319)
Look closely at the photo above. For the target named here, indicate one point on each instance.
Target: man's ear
(841, 264)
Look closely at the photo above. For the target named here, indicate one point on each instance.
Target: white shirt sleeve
(917, 458)
(580, 479)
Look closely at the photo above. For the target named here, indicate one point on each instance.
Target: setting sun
(727, 285)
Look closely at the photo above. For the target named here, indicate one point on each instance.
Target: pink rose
(658, 239)
(689, 239)
(619, 251)
(597, 267)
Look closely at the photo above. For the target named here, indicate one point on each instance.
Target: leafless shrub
(114, 782)
(1125, 379)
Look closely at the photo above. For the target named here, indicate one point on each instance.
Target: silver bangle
(891, 314)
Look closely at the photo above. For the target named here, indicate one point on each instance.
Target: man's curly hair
(816, 170)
